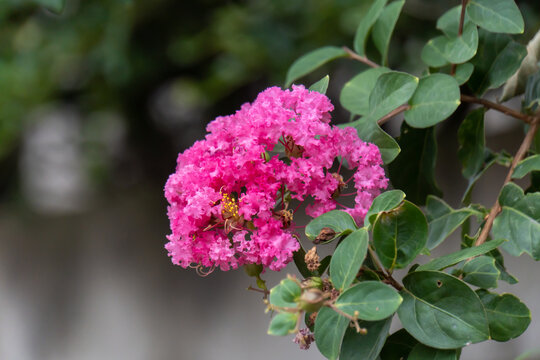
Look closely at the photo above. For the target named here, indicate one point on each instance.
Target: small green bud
(311, 300)
(253, 269)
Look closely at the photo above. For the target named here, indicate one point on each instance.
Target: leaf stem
(393, 113)
(496, 209)
(460, 29)
(501, 108)
(388, 278)
(362, 59)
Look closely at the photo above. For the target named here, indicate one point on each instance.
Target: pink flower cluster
(229, 197)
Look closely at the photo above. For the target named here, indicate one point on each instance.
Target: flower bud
(313, 282)
(311, 300)
(253, 269)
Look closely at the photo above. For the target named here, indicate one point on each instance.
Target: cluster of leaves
(445, 303)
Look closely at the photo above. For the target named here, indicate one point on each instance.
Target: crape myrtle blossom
(229, 196)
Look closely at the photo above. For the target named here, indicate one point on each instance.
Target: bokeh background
(95, 105)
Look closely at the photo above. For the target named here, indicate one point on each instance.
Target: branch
(362, 59)
(392, 113)
(491, 105)
(496, 209)
(460, 29)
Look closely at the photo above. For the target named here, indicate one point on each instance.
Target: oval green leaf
(481, 272)
(285, 294)
(501, 16)
(448, 260)
(508, 316)
(283, 324)
(384, 27)
(371, 300)
(311, 61)
(413, 171)
(339, 221)
(442, 50)
(348, 259)
(423, 352)
(463, 73)
(398, 345)
(330, 328)
(387, 201)
(532, 163)
(400, 235)
(321, 86)
(365, 25)
(472, 143)
(443, 220)
(355, 93)
(391, 90)
(435, 98)
(365, 346)
(499, 57)
(441, 311)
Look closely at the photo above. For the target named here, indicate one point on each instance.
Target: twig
(354, 319)
(496, 209)
(460, 29)
(491, 105)
(362, 59)
(389, 279)
(392, 113)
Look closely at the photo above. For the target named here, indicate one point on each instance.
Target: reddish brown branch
(496, 209)
(362, 59)
(491, 105)
(392, 113)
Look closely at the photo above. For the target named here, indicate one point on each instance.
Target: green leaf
(321, 86)
(531, 100)
(499, 57)
(441, 311)
(391, 90)
(435, 98)
(355, 93)
(339, 221)
(365, 25)
(329, 331)
(398, 345)
(448, 23)
(285, 294)
(499, 263)
(56, 6)
(532, 163)
(463, 72)
(519, 221)
(371, 300)
(369, 131)
(448, 260)
(508, 316)
(384, 27)
(387, 201)
(443, 49)
(368, 346)
(516, 84)
(283, 324)
(472, 143)
(413, 171)
(348, 259)
(423, 352)
(311, 61)
(481, 272)
(399, 235)
(443, 220)
(500, 16)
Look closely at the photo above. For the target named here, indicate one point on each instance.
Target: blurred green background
(95, 104)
